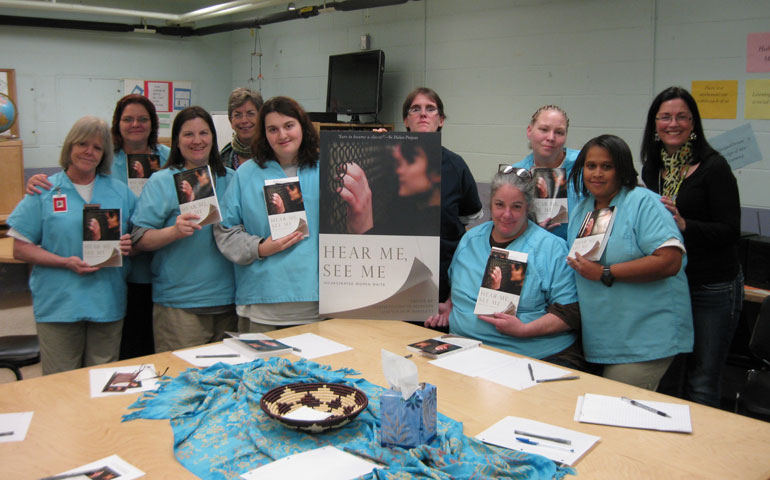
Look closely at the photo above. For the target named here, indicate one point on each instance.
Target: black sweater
(709, 203)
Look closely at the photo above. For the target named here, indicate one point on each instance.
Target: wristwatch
(607, 277)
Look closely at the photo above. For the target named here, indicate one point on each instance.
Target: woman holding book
(701, 193)
(79, 309)
(547, 315)
(242, 110)
(276, 279)
(627, 327)
(193, 299)
(547, 134)
(135, 136)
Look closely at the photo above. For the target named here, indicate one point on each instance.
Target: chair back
(759, 344)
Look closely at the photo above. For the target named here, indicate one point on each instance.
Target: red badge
(60, 203)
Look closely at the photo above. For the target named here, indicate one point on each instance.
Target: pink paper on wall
(758, 52)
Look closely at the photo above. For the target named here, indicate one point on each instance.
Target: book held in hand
(140, 166)
(256, 345)
(550, 195)
(502, 282)
(285, 207)
(593, 234)
(101, 236)
(196, 193)
(444, 345)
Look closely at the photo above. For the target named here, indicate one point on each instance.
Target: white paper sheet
(606, 410)
(503, 434)
(201, 356)
(117, 465)
(314, 346)
(100, 377)
(500, 368)
(326, 463)
(17, 423)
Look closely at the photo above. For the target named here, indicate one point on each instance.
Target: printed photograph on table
(196, 193)
(380, 214)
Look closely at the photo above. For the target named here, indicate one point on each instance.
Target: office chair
(753, 397)
(18, 351)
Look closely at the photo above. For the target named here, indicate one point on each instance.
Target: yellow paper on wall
(716, 98)
(758, 98)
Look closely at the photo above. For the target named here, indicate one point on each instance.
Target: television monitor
(354, 84)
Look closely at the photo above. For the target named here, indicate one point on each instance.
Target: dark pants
(137, 338)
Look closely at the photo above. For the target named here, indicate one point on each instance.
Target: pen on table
(365, 455)
(220, 355)
(531, 373)
(408, 355)
(540, 444)
(543, 437)
(646, 407)
(5, 434)
(558, 379)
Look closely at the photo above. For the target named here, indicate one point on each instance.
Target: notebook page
(608, 410)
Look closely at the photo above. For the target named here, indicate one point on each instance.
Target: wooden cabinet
(12, 175)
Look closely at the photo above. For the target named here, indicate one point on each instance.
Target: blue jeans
(716, 309)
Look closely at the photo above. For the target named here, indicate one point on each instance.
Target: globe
(7, 113)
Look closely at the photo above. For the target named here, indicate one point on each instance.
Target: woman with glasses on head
(699, 189)
(134, 132)
(192, 283)
(79, 308)
(547, 316)
(634, 302)
(547, 134)
(242, 110)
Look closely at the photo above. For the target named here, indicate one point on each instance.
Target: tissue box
(408, 423)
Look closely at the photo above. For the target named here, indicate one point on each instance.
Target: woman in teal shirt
(634, 302)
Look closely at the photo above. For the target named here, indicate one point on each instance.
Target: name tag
(60, 203)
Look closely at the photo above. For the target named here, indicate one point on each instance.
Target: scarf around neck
(674, 169)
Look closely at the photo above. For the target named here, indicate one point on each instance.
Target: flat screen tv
(355, 83)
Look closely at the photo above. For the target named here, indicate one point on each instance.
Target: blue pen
(540, 444)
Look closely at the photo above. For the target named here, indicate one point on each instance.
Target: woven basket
(342, 401)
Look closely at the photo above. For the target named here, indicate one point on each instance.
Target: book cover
(380, 211)
(101, 237)
(441, 346)
(140, 166)
(285, 207)
(593, 234)
(502, 282)
(255, 345)
(196, 193)
(550, 195)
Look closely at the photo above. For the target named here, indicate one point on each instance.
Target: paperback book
(255, 345)
(140, 167)
(442, 346)
(101, 237)
(380, 213)
(285, 207)
(593, 234)
(196, 193)
(550, 195)
(502, 282)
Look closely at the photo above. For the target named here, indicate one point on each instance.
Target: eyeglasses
(681, 118)
(429, 110)
(131, 120)
(251, 115)
(522, 173)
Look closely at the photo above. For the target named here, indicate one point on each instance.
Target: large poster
(379, 225)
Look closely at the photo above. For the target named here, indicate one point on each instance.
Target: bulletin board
(169, 97)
